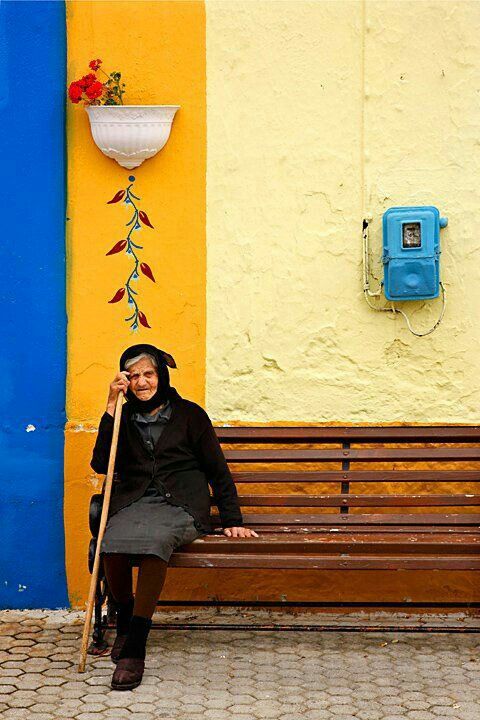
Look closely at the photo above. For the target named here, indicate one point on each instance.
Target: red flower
(146, 270)
(118, 295)
(87, 80)
(75, 92)
(94, 64)
(143, 320)
(95, 90)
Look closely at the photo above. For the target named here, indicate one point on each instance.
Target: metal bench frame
(336, 533)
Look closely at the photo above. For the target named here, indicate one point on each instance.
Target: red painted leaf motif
(121, 244)
(118, 295)
(144, 218)
(143, 320)
(117, 197)
(146, 270)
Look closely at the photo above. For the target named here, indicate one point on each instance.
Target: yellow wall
(320, 113)
(160, 49)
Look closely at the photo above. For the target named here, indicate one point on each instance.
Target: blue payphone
(411, 259)
(411, 252)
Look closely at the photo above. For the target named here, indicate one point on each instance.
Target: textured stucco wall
(321, 113)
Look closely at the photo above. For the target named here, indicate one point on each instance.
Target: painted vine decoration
(131, 248)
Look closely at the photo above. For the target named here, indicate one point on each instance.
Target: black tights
(151, 577)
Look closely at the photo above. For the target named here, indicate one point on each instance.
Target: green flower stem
(119, 92)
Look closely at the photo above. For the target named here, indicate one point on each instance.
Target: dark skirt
(149, 526)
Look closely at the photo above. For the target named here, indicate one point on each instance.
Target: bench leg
(99, 645)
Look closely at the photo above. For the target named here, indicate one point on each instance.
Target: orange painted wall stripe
(159, 47)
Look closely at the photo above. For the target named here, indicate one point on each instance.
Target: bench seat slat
(359, 542)
(349, 529)
(325, 562)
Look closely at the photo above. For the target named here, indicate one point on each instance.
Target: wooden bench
(357, 523)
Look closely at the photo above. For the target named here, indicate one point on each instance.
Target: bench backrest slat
(389, 434)
(429, 454)
(363, 476)
(358, 500)
(307, 455)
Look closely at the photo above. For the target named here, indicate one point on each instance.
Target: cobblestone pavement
(226, 675)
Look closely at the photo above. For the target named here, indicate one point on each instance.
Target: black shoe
(128, 674)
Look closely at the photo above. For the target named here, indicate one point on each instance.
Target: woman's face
(143, 379)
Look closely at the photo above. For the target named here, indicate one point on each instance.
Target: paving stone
(224, 714)
(370, 714)
(115, 699)
(192, 709)
(116, 713)
(70, 706)
(21, 702)
(11, 672)
(416, 704)
(141, 707)
(4, 681)
(452, 712)
(317, 715)
(35, 651)
(93, 707)
(46, 708)
(15, 714)
(393, 709)
(69, 693)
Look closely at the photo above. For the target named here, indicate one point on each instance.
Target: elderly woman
(167, 455)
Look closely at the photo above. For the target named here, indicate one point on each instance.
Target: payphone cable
(393, 309)
(442, 313)
(366, 266)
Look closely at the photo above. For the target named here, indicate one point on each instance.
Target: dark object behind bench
(344, 528)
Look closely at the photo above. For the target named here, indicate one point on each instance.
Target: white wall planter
(131, 133)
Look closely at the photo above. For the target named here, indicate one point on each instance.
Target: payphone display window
(411, 235)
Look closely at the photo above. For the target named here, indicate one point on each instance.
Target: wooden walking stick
(103, 523)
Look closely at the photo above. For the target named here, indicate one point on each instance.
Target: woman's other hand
(239, 532)
(119, 384)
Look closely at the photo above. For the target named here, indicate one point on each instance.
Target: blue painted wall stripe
(32, 292)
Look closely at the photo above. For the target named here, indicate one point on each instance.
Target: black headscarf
(163, 390)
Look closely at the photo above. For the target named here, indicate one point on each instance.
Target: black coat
(186, 459)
